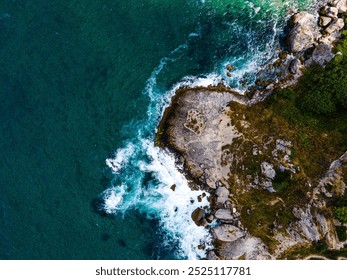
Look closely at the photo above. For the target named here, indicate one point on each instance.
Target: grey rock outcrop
(341, 5)
(227, 233)
(322, 53)
(268, 170)
(294, 66)
(335, 26)
(324, 21)
(222, 195)
(312, 41)
(329, 11)
(303, 33)
(211, 255)
(224, 215)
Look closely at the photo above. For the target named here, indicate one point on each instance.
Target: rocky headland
(270, 182)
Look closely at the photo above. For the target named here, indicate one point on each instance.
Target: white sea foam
(154, 197)
(113, 198)
(158, 200)
(121, 158)
(175, 206)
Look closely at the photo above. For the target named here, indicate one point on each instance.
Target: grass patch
(315, 248)
(260, 211)
(340, 213)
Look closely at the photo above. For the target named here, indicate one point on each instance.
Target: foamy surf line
(167, 198)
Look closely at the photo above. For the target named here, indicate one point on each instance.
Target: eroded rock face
(195, 121)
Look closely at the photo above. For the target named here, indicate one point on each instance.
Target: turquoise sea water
(82, 87)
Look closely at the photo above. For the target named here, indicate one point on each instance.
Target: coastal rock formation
(201, 145)
(312, 40)
(263, 203)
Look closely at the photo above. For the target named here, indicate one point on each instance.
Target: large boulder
(304, 32)
(341, 5)
(227, 233)
(224, 215)
(294, 66)
(222, 195)
(329, 11)
(322, 54)
(197, 215)
(268, 170)
(324, 21)
(335, 26)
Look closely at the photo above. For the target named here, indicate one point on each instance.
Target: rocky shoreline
(243, 163)
(310, 40)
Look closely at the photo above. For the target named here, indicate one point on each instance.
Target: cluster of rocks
(311, 37)
(310, 41)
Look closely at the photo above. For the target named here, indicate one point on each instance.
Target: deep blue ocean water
(83, 84)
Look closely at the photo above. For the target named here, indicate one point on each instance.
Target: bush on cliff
(324, 91)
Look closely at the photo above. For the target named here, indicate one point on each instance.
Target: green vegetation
(312, 115)
(319, 248)
(340, 213)
(325, 90)
(282, 180)
(341, 233)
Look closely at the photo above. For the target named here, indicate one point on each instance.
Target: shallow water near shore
(83, 85)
